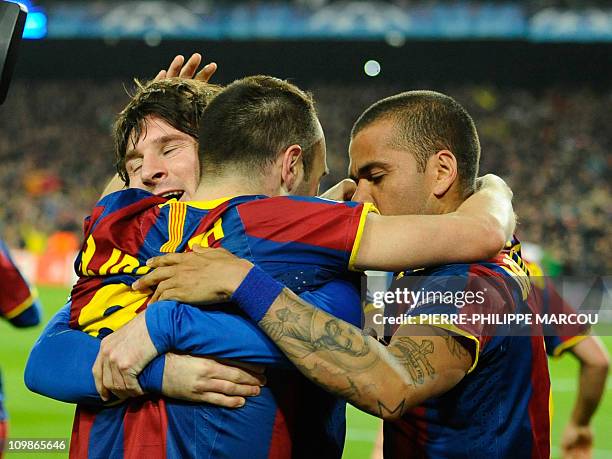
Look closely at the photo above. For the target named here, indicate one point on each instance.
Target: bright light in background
(371, 68)
(36, 21)
(36, 25)
(395, 39)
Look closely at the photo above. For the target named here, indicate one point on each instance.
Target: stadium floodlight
(371, 68)
(12, 22)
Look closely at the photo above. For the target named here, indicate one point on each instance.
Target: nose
(153, 171)
(363, 192)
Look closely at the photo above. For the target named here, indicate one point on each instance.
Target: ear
(443, 172)
(292, 170)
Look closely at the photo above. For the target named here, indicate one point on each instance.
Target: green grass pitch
(34, 416)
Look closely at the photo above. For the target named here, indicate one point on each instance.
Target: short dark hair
(252, 120)
(427, 122)
(180, 102)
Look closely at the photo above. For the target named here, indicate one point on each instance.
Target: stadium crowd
(552, 148)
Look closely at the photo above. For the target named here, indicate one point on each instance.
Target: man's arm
(182, 328)
(594, 365)
(73, 354)
(124, 353)
(384, 381)
(477, 230)
(19, 302)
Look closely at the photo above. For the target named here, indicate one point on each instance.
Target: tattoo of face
(343, 339)
(287, 323)
(301, 331)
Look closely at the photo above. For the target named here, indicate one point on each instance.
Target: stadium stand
(535, 140)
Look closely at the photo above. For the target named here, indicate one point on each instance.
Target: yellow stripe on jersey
(203, 239)
(176, 223)
(92, 317)
(517, 274)
(568, 344)
(367, 208)
(88, 253)
(23, 306)
(536, 275)
(208, 205)
(114, 258)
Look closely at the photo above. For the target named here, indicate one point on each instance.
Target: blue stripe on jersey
(108, 425)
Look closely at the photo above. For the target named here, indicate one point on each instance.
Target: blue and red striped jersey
(302, 242)
(547, 300)
(16, 293)
(18, 300)
(501, 407)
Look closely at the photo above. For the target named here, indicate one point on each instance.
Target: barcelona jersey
(547, 300)
(501, 407)
(302, 242)
(16, 296)
(18, 300)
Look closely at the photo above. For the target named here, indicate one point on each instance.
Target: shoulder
(122, 205)
(494, 273)
(126, 195)
(299, 202)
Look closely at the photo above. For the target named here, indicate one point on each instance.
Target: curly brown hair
(180, 102)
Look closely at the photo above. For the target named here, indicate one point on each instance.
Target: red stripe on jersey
(15, 290)
(125, 230)
(81, 430)
(406, 437)
(144, 430)
(328, 225)
(3, 435)
(82, 293)
(89, 221)
(540, 400)
(284, 422)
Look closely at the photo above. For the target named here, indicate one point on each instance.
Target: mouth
(174, 194)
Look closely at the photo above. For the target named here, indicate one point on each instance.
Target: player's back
(501, 407)
(303, 242)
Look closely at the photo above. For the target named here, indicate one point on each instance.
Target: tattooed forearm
(414, 357)
(385, 412)
(300, 330)
(384, 381)
(455, 347)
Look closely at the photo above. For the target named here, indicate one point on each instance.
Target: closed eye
(134, 166)
(170, 151)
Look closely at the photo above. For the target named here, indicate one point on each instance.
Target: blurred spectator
(552, 148)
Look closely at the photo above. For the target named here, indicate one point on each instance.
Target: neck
(212, 188)
(446, 204)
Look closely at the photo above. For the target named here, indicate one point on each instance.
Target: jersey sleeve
(314, 230)
(18, 300)
(59, 365)
(558, 337)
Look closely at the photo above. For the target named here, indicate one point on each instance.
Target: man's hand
(179, 68)
(577, 442)
(205, 380)
(489, 186)
(123, 355)
(199, 277)
(341, 191)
